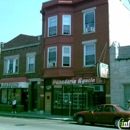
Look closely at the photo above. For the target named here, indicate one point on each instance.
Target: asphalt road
(8, 123)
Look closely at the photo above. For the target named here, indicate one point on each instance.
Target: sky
(22, 17)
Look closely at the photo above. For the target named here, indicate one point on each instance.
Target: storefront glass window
(67, 96)
(57, 97)
(10, 95)
(7, 96)
(88, 96)
(4, 96)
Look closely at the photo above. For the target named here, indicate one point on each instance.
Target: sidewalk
(36, 115)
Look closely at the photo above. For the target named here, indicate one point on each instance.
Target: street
(8, 123)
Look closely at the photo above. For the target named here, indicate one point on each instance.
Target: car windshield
(122, 108)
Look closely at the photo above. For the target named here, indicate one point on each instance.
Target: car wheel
(80, 120)
(116, 122)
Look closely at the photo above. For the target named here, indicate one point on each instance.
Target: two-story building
(20, 72)
(76, 41)
(120, 74)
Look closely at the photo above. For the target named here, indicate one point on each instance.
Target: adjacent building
(120, 74)
(20, 72)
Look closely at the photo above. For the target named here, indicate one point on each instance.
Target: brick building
(20, 73)
(76, 40)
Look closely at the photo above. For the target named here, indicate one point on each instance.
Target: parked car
(104, 114)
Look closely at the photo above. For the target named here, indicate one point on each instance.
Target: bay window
(66, 56)
(52, 57)
(52, 26)
(66, 24)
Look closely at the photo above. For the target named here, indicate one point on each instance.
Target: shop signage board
(102, 70)
(88, 80)
(14, 85)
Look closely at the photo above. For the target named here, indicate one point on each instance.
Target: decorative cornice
(20, 47)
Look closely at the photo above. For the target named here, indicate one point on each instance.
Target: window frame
(50, 18)
(66, 55)
(89, 29)
(54, 63)
(63, 17)
(30, 55)
(15, 65)
(88, 43)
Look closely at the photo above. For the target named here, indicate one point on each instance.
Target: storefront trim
(21, 82)
(15, 85)
(88, 80)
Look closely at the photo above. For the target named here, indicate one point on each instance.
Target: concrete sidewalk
(36, 115)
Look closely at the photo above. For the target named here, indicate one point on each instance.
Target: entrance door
(34, 96)
(25, 100)
(48, 102)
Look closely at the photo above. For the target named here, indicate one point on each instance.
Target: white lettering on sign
(14, 85)
(83, 81)
(9, 85)
(74, 81)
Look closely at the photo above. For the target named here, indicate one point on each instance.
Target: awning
(21, 82)
(19, 79)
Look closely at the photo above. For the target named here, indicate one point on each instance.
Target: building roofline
(20, 47)
(55, 2)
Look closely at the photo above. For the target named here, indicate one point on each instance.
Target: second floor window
(11, 65)
(66, 24)
(52, 26)
(66, 56)
(30, 66)
(89, 53)
(52, 57)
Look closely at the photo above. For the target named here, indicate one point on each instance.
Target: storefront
(66, 96)
(14, 87)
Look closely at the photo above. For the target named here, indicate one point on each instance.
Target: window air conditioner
(89, 29)
(10, 71)
(98, 88)
(53, 64)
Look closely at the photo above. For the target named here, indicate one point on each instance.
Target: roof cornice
(52, 3)
(20, 47)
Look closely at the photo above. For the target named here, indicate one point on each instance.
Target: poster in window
(4, 96)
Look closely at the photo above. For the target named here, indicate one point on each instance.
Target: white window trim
(69, 55)
(85, 12)
(48, 57)
(8, 58)
(89, 42)
(63, 22)
(32, 54)
(49, 24)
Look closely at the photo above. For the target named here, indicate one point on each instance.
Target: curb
(19, 115)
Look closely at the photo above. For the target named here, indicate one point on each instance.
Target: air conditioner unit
(53, 64)
(10, 71)
(98, 88)
(89, 29)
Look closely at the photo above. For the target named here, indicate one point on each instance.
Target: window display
(4, 96)
(7, 95)
(75, 96)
